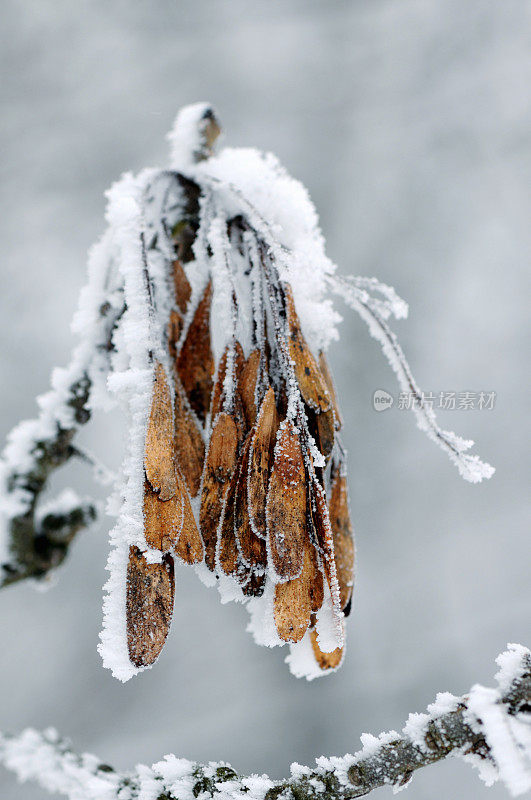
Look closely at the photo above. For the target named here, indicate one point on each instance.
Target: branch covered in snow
(34, 538)
(375, 312)
(488, 728)
(33, 544)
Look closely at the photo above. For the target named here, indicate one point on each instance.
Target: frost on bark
(207, 315)
(35, 535)
(488, 728)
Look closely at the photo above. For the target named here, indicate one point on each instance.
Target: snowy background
(410, 124)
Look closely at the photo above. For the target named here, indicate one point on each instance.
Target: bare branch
(498, 742)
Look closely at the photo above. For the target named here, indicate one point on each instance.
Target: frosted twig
(488, 728)
(29, 548)
(370, 310)
(391, 305)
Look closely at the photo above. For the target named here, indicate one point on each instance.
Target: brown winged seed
(286, 504)
(326, 660)
(327, 375)
(175, 327)
(170, 524)
(251, 547)
(189, 546)
(326, 542)
(218, 393)
(195, 362)
(229, 557)
(189, 444)
(260, 460)
(158, 456)
(182, 287)
(247, 386)
(342, 533)
(163, 520)
(149, 606)
(219, 466)
(325, 429)
(311, 382)
(293, 600)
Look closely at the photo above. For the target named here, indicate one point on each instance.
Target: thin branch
(32, 544)
(33, 551)
(490, 728)
(374, 313)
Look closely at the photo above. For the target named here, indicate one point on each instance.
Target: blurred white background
(410, 124)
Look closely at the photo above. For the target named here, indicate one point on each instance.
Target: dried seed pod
(219, 466)
(255, 585)
(158, 455)
(170, 524)
(189, 545)
(294, 600)
(238, 416)
(325, 431)
(282, 400)
(327, 375)
(326, 661)
(286, 504)
(247, 386)
(291, 611)
(343, 535)
(310, 526)
(163, 519)
(218, 391)
(175, 327)
(325, 540)
(316, 587)
(184, 231)
(321, 427)
(252, 549)
(229, 557)
(183, 291)
(195, 362)
(311, 382)
(189, 444)
(181, 284)
(149, 606)
(260, 460)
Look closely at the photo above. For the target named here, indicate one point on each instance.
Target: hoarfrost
(383, 759)
(121, 322)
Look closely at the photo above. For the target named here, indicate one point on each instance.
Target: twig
(489, 728)
(374, 313)
(31, 545)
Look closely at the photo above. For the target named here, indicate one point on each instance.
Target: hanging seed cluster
(215, 280)
(253, 443)
(206, 314)
(235, 464)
